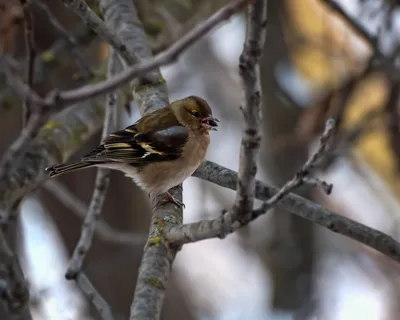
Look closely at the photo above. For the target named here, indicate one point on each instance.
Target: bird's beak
(210, 123)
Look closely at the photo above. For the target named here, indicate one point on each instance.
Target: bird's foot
(171, 198)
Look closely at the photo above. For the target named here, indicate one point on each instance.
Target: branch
(94, 296)
(251, 139)
(91, 19)
(121, 16)
(56, 100)
(229, 222)
(101, 183)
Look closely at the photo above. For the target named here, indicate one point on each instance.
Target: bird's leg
(171, 198)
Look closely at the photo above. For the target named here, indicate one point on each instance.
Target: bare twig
(249, 72)
(101, 184)
(302, 177)
(30, 54)
(67, 36)
(91, 19)
(94, 296)
(103, 229)
(229, 222)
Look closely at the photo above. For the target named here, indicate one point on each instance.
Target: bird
(159, 151)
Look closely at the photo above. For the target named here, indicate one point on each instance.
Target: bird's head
(194, 113)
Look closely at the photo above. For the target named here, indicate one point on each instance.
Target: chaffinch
(159, 151)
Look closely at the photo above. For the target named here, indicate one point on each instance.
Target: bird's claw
(171, 198)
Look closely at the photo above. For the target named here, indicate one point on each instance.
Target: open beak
(210, 123)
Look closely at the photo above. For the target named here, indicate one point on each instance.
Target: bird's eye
(196, 113)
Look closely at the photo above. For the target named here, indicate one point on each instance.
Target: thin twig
(67, 36)
(302, 177)
(30, 54)
(94, 296)
(101, 184)
(229, 222)
(251, 139)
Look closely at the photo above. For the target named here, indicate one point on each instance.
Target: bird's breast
(159, 177)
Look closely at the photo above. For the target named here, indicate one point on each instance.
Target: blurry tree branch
(92, 20)
(94, 296)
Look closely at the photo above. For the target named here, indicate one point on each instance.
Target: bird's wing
(136, 148)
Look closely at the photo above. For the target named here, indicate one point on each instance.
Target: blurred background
(321, 58)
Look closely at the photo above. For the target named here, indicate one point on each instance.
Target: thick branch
(157, 260)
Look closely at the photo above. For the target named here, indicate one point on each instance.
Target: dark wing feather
(122, 135)
(140, 148)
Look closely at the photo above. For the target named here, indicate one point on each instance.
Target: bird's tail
(63, 168)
